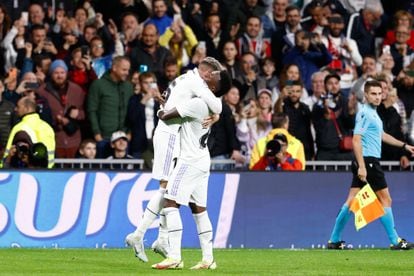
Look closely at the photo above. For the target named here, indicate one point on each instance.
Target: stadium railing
(139, 164)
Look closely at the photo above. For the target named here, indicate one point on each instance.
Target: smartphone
(246, 107)
(84, 50)
(25, 18)
(386, 50)
(143, 68)
(153, 85)
(31, 85)
(202, 44)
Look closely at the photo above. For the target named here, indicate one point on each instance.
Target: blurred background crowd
(298, 69)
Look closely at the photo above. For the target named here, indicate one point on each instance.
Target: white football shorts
(166, 148)
(188, 184)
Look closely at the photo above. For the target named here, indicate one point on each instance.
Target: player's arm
(213, 103)
(362, 171)
(168, 114)
(390, 140)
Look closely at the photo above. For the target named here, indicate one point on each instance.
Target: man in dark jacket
(107, 104)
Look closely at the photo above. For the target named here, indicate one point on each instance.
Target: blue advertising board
(247, 209)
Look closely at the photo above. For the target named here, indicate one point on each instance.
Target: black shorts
(375, 175)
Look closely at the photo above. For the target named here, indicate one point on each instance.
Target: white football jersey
(183, 89)
(194, 137)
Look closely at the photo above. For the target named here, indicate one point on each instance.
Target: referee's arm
(390, 140)
(362, 171)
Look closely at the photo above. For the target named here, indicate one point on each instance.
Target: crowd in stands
(94, 68)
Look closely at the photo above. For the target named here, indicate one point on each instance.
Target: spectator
(28, 87)
(170, 72)
(344, 51)
(180, 40)
(32, 127)
(299, 118)
(119, 144)
(363, 26)
(386, 64)
(268, 73)
(252, 41)
(334, 111)
(107, 103)
(250, 82)
(87, 149)
(280, 124)
(82, 72)
(401, 51)
(141, 119)
(148, 52)
(275, 19)
(318, 89)
(134, 79)
(230, 60)
(66, 100)
(401, 18)
(404, 84)
(11, 40)
(309, 54)
(291, 73)
(276, 157)
(222, 142)
(36, 14)
(214, 35)
(131, 31)
(160, 19)
(6, 118)
(241, 12)
(392, 123)
(41, 67)
(369, 70)
(136, 7)
(264, 99)
(284, 38)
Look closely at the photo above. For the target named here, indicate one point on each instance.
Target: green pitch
(229, 261)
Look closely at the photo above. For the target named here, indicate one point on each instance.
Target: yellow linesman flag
(366, 207)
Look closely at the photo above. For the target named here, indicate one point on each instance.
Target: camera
(22, 148)
(273, 147)
(330, 100)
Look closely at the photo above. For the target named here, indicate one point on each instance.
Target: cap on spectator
(281, 137)
(56, 64)
(264, 90)
(22, 136)
(330, 76)
(118, 135)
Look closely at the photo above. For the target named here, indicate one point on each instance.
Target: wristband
(403, 146)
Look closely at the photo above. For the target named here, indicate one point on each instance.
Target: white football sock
(163, 230)
(154, 206)
(205, 234)
(175, 232)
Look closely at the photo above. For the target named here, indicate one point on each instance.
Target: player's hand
(362, 174)
(210, 120)
(159, 98)
(410, 149)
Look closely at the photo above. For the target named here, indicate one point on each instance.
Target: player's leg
(175, 231)
(198, 203)
(178, 193)
(340, 222)
(164, 147)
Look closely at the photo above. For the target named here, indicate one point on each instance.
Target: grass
(230, 261)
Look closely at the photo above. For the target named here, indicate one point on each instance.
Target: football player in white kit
(195, 83)
(189, 180)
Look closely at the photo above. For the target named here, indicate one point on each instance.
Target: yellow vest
(295, 147)
(39, 131)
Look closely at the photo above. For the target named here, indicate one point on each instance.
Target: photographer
(30, 130)
(277, 158)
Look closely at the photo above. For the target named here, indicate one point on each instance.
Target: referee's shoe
(403, 244)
